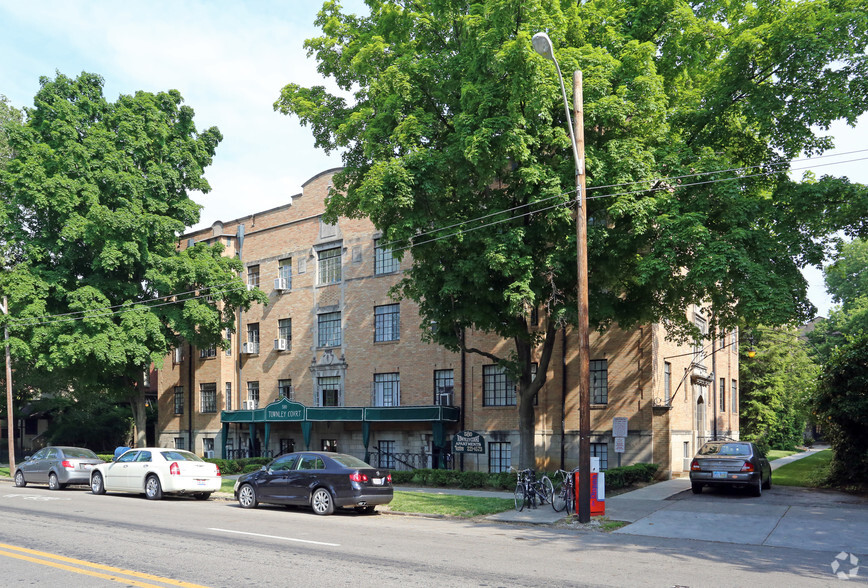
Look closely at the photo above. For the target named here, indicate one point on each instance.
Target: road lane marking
(275, 537)
(80, 562)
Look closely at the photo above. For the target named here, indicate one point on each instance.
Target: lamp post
(543, 45)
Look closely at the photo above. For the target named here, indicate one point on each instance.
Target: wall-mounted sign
(468, 442)
(619, 427)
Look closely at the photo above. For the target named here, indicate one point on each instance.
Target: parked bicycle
(529, 491)
(564, 494)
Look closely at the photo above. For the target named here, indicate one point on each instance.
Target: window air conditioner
(249, 404)
(445, 399)
(251, 286)
(281, 344)
(209, 455)
(281, 284)
(250, 348)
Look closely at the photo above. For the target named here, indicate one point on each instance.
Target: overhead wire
(145, 304)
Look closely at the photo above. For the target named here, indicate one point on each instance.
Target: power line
(146, 304)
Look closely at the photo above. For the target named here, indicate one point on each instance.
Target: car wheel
(768, 484)
(758, 487)
(153, 488)
(96, 484)
(365, 509)
(321, 502)
(697, 488)
(202, 495)
(19, 479)
(53, 484)
(247, 496)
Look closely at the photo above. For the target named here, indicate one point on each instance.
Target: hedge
(615, 478)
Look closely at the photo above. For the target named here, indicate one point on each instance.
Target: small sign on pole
(468, 442)
(620, 443)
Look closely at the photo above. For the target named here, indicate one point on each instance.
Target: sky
(230, 60)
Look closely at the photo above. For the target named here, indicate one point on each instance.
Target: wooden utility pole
(9, 412)
(584, 338)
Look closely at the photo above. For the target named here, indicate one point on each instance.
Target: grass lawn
(4, 472)
(227, 485)
(774, 454)
(448, 504)
(808, 472)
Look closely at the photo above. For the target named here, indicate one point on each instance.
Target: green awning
(284, 410)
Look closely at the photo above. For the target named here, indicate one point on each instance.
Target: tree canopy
(94, 197)
(455, 144)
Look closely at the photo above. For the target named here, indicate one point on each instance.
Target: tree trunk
(527, 432)
(140, 415)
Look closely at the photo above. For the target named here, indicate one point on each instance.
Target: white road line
(275, 537)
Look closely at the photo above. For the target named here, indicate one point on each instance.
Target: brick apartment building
(333, 363)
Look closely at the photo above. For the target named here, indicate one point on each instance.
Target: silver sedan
(57, 466)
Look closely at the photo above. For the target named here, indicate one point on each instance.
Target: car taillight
(747, 467)
(65, 463)
(218, 469)
(694, 466)
(389, 478)
(357, 477)
(175, 469)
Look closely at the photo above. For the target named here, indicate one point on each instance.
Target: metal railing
(407, 461)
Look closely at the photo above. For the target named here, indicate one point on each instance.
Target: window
(328, 391)
(534, 317)
(601, 450)
(329, 329)
(330, 445)
(387, 389)
(284, 389)
(723, 395)
(253, 276)
(177, 355)
(284, 273)
(733, 393)
(253, 333)
(387, 323)
(179, 400)
(384, 261)
(599, 381)
(208, 352)
(208, 444)
(228, 395)
(311, 462)
(444, 387)
(386, 457)
(284, 331)
(287, 445)
(208, 397)
(499, 457)
(253, 392)
(735, 341)
(179, 443)
(228, 339)
(667, 382)
(330, 266)
(497, 388)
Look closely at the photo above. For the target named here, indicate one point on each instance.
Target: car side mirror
(27, 457)
(264, 469)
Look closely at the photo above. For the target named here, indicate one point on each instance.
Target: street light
(543, 45)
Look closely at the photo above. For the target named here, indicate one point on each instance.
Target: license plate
(719, 475)
(85, 466)
(201, 482)
(377, 481)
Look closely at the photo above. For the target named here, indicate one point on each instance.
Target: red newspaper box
(598, 493)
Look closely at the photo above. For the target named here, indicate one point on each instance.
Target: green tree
(775, 386)
(847, 282)
(8, 115)
(95, 197)
(455, 145)
(841, 409)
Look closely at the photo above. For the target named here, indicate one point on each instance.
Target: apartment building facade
(332, 362)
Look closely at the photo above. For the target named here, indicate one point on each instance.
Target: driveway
(803, 518)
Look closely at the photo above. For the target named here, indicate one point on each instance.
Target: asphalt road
(75, 538)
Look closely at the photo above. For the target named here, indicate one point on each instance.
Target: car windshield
(79, 453)
(349, 461)
(176, 455)
(725, 449)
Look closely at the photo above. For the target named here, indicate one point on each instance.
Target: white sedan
(157, 471)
